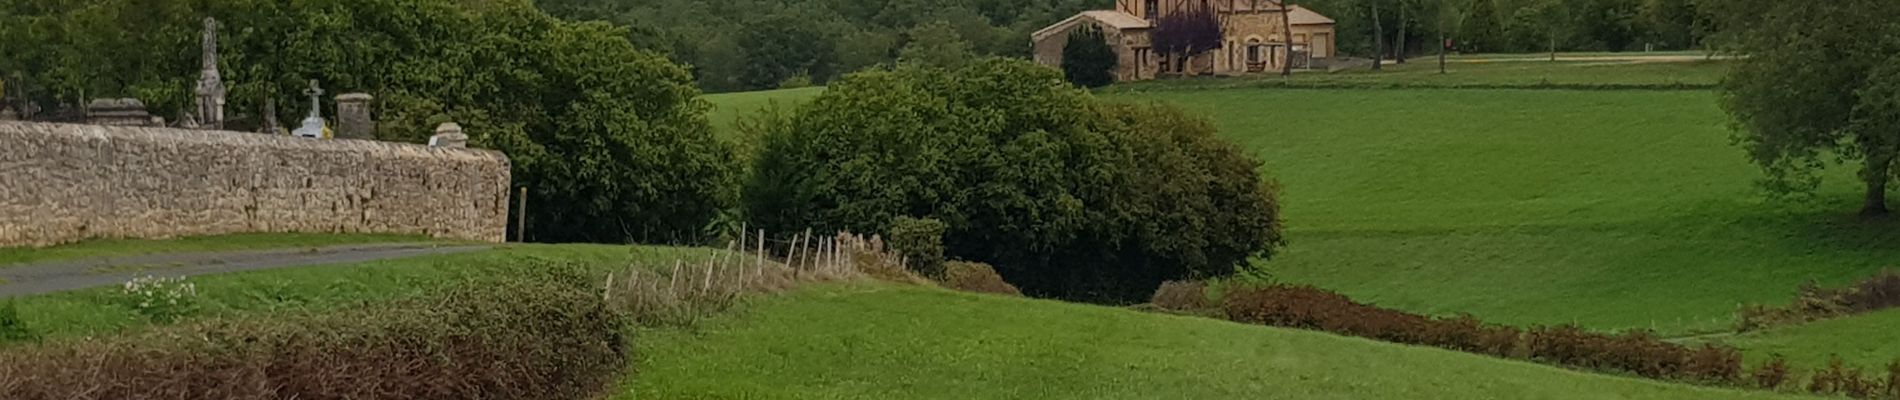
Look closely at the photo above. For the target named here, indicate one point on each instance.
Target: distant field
(885, 342)
(728, 108)
(1423, 73)
(248, 241)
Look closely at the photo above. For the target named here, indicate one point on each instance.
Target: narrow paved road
(48, 277)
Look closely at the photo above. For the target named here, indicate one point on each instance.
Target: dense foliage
(1821, 82)
(1087, 60)
(1065, 195)
(1517, 26)
(611, 140)
(722, 40)
(1184, 33)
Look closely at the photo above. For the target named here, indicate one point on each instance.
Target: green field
(1866, 341)
(728, 108)
(885, 342)
(1479, 74)
(1611, 209)
(249, 241)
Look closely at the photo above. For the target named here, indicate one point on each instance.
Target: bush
(1773, 374)
(1087, 60)
(1067, 196)
(1813, 303)
(1638, 352)
(920, 242)
(976, 278)
(1185, 296)
(12, 327)
(547, 336)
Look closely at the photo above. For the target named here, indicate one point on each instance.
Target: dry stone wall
(61, 183)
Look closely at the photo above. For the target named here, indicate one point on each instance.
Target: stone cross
(313, 124)
(211, 90)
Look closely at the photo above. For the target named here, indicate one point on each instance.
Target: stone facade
(1255, 38)
(61, 183)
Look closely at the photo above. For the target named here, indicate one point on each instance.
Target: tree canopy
(1087, 60)
(611, 140)
(1066, 195)
(1818, 83)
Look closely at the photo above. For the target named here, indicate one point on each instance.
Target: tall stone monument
(352, 117)
(211, 90)
(313, 125)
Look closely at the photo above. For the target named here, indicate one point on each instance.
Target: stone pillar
(120, 112)
(352, 117)
(449, 135)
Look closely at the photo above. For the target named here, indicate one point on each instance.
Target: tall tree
(1087, 60)
(1378, 38)
(1184, 33)
(1286, 26)
(1819, 81)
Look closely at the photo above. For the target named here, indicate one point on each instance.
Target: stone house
(1255, 38)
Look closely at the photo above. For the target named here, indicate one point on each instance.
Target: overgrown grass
(100, 311)
(248, 241)
(881, 341)
(1610, 209)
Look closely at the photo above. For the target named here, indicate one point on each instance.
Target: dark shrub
(920, 242)
(1813, 303)
(1893, 380)
(1182, 296)
(1638, 352)
(1087, 59)
(550, 337)
(1067, 196)
(1772, 374)
(977, 278)
(12, 327)
(1715, 365)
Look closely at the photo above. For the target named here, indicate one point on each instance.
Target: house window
(1253, 51)
(1152, 9)
(1164, 63)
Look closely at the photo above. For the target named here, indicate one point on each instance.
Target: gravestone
(313, 125)
(352, 117)
(449, 135)
(118, 112)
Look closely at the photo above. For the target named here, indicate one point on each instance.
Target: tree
(1483, 28)
(1087, 60)
(936, 44)
(1378, 38)
(1817, 82)
(781, 46)
(1186, 32)
(1066, 195)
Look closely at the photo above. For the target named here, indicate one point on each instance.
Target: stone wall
(62, 183)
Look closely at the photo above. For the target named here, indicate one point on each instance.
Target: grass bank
(237, 242)
(882, 341)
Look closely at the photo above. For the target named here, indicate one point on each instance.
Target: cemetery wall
(61, 183)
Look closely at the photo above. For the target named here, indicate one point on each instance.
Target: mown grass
(101, 311)
(1867, 341)
(248, 241)
(1610, 209)
(888, 342)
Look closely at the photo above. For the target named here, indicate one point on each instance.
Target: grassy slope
(101, 310)
(1613, 209)
(1867, 341)
(729, 107)
(883, 342)
(249, 241)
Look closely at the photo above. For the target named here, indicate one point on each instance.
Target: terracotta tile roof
(1108, 18)
(1302, 16)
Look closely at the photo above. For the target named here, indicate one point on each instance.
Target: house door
(1322, 45)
